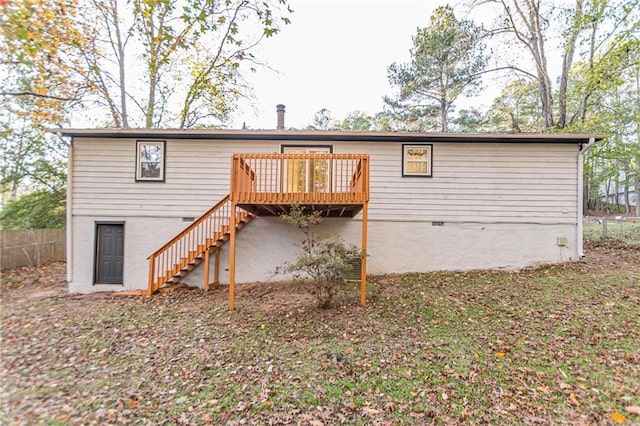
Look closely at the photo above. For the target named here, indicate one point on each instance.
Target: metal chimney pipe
(280, 111)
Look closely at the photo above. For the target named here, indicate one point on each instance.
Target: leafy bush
(323, 261)
(37, 210)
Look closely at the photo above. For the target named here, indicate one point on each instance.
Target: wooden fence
(31, 247)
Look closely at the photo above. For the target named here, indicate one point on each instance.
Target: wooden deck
(269, 184)
(266, 185)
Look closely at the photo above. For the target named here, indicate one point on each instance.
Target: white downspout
(580, 227)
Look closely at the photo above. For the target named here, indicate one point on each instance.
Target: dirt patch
(32, 283)
(274, 296)
(612, 255)
(49, 281)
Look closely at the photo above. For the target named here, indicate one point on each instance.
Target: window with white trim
(150, 156)
(416, 160)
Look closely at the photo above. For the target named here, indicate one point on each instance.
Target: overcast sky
(333, 55)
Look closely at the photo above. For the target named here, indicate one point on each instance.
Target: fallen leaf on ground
(617, 417)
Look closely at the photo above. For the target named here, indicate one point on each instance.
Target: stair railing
(190, 243)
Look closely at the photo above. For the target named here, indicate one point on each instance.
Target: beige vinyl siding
(196, 177)
(472, 182)
(476, 182)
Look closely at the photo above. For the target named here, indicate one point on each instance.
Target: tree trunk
(444, 127)
(638, 197)
(121, 62)
(153, 67)
(153, 81)
(585, 197)
(524, 21)
(567, 61)
(617, 192)
(627, 201)
(592, 51)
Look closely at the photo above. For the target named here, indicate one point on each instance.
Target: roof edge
(328, 135)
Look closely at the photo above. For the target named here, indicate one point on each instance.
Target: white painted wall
(399, 247)
(142, 236)
(502, 205)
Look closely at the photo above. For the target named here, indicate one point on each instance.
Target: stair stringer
(202, 257)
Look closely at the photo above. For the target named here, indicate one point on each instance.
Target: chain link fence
(608, 229)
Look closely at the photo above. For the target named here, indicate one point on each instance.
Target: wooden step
(173, 280)
(175, 287)
(129, 293)
(189, 267)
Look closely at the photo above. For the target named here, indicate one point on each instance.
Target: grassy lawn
(620, 230)
(554, 345)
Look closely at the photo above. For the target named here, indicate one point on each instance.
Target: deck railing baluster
(281, 178)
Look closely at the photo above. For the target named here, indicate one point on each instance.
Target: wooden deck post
(232, 255)
(152, 268)
(235, 163)
(216, 270)
(206, 269)
(363, 269)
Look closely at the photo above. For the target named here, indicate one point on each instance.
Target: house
(415, 202)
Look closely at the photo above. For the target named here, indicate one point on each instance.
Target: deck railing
(300, 178)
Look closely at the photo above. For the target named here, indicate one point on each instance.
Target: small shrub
(323, 261)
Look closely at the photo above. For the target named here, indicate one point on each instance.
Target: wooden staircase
(194, 245)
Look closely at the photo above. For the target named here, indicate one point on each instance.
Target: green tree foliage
(323, 260)
(357, 121)
(516, 109)
(587, 31)
(30, 160)
(40, 83)
(470, 120)
(446, 62)
(322, 120)
(189, 58)
(37, 210)
(142, 63)
(40, 65)
(612, 166)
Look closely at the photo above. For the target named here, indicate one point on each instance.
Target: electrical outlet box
(563, 241)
